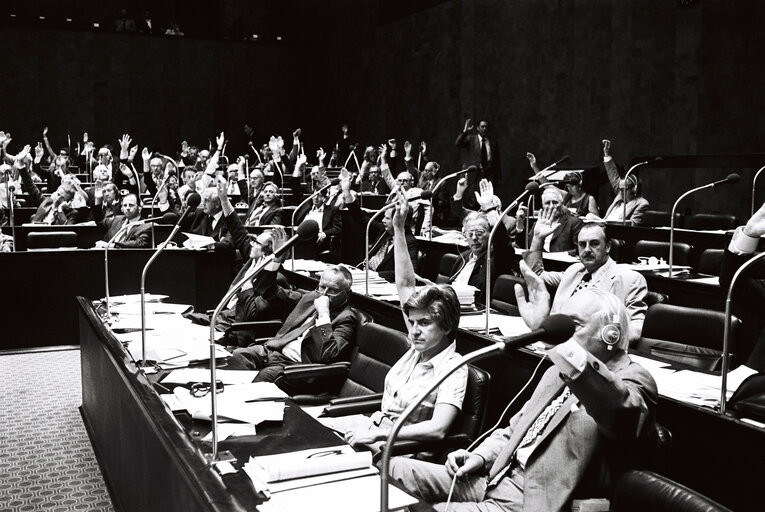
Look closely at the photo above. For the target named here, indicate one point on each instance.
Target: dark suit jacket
(273, 215)
(501, 261)
(380, 187)
(198, 222)
(472, 156)
(565, 235)
(138, 236)
(387, 267)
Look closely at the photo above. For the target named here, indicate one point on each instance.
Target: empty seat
(654, 218)
(445, 267)
(710, 261)
(51, 239)
(649, 248)
(689, 336)
(503, 294)
(710, 221)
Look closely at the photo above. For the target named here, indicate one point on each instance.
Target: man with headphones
(629, 192)
(595, 269)
(583, 425)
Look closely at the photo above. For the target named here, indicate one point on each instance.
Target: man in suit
(319, 326)
(267, 208)
(481, 151)
(626, 190)
(583, 425)
(138, 235)
(208, 220)
(595, 269)
(565, 226)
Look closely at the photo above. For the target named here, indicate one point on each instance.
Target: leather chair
(51, 239)
(690, 336)
(445, 267)
(503, 294)
(652, 298)
(709, 221)
(420, 263)
(710, 261)
(683, 251)
(655, 219)
(617, 250)
(377, 349)
(641, 491)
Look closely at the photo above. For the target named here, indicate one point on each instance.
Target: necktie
(484, 154)
(541, 422)
(584, 283)
(376, 258)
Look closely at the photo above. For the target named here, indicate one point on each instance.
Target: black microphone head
(733, 178)
(335, 181)
(558, 328)
(169, 218)
(426, 194)
(193, 200)
(307, 230)
(532, 187)
(472, 168)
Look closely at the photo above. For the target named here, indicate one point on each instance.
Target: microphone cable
(490, 430)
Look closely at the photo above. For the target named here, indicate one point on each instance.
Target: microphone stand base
(223, 456)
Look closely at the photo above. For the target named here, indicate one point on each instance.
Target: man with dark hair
(481, 151)
(137, 235)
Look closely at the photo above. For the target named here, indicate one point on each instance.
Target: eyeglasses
(476, 233)
(329, 291)
(403, 180)
(200, 389)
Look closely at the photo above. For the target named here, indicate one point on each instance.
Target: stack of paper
(465, 294)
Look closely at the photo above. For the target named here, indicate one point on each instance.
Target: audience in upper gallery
(381, 258)
(432, 315)
(583, 425)
(595, 269)
(135, 235)
(481, 151)
(476, 227)
(750, 292)
(563, 226)
(319, 326)
(636, 203)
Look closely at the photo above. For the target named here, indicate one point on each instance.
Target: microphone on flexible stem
(727, 328)
(754, 184)
(191, 204)
(166, 217)
(252, 146)
(438, 185)
(731, 178)
(153, 202)
(624, 186)
(426, 194)
(532, 187)
(564, 158)
(554, 329)
(9, 191)
(305, 231)
(278, 169)
(335, 181)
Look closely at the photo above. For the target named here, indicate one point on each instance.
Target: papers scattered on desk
(677, 270)
(306, 265)
(194, 241)
(134, 298)
(230, 406)
(449, 237)
(506, 325)
(226, 430)
(355, 495)
(189, 375)
(305, 463)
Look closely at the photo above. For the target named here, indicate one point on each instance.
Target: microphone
(305, 232)
(426, 194)
(335, 181)
(624, 185)
(731, 178)
(192, 203)
(553, 329)
(532, 187)
(10, 189)
(727, 327)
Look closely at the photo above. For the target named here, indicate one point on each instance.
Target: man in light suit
(596, 269)
(581, 428)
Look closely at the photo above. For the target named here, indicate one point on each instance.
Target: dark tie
(484, 154)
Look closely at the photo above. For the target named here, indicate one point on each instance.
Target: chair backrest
(639, 491)
(445, 267)
(711, 221)
(690, 336)
(51, 239)
(471, 417)
(420, 262)
(378, 348)
(617, 250)
(503, 293)
(710, 261)
(661, 250)
(654, 219)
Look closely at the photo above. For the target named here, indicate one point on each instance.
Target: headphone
(610, 333)
(575, 178)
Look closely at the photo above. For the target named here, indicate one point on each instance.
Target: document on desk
(305, 463)
(189, 375)
(231, 406)
(356, 495)
(194, 241)
(507, 325)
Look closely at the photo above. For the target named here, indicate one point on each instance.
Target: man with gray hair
(565, 226)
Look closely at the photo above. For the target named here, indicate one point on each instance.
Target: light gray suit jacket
(610, 407)
(623, 282)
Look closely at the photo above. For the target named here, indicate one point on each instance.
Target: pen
(265, 399)
(325, 453)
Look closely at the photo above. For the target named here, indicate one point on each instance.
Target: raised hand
(462, 185)
(400, 211)
(485, 197)
(84, 137)
(468, 125)
(537, 306)
(39, 152)
(45, 131)
(278, 239)
(532, 159)
(88, 147)
(606, 148)
(296, 134)
(184, 148)
(383, 151)
(423, 147)
(543, 227)
(220, 139)
(345, 180)
(132, 153)
(125, 142)
(145, 154)
(408, 148)
(321, 155)
(125, 170)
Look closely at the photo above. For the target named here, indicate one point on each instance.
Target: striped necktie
(541, 422)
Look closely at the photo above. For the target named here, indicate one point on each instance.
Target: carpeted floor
(46, 461)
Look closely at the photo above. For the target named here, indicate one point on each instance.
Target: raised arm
(405, 278)
(611, 170)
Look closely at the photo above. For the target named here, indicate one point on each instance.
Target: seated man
(319, 326)
(749, 292)
(267, 208)
(565, 226)
(596, 269)
(636, 203)
(138, 235)
(104, 189)
(327, 216)
(582, 425)
(432, 315)
(54, 210)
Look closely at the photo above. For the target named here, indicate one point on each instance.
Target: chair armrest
(407, 447)
(262, 329)
(313, 371)
(354, 408)
(355, 399)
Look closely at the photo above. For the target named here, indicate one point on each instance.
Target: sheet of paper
(356, 495)
(226, 430)
(306, 463)
(227, 377)
(507, 325)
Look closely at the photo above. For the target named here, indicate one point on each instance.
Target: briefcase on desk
(748, 401)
